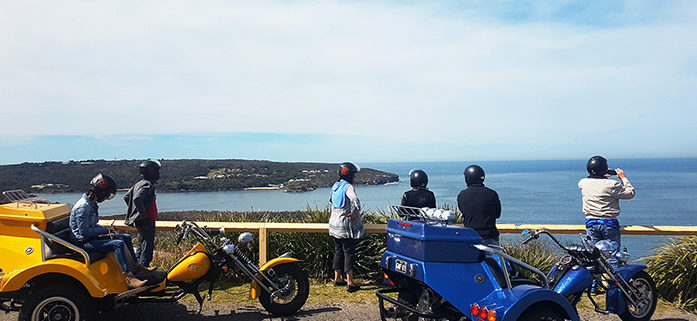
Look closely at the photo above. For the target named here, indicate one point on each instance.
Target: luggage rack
(20, 196)
(421, 215)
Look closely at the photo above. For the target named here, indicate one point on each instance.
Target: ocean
(530, 192)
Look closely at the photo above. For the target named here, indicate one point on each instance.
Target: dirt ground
(344, 312)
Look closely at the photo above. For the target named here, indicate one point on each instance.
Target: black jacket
(419, 197)
(138, 198)
(480, 207)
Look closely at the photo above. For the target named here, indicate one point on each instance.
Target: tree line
(181, 175)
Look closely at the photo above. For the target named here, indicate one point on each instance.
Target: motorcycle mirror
(622, 256)
(222, 230)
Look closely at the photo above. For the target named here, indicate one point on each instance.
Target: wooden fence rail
(263, 228)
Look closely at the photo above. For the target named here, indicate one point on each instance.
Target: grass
(320, 293)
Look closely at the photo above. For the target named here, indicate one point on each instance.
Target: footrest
(153, 278)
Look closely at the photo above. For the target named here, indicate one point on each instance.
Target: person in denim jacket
(87, 233)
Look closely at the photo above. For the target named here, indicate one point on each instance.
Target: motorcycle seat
(523, 281)
(55, 250)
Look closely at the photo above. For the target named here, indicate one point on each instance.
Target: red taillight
(404, 224)
(492, 315)
(483, 312)
(388, 279)
(474, 308)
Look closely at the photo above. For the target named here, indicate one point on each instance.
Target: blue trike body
(451, 261)
(578, 280)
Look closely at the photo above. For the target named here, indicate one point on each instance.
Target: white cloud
(427, 71)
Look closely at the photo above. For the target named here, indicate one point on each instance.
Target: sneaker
(352, 288)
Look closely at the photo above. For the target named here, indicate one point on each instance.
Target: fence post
(263, 245)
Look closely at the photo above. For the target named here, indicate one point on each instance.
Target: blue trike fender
(530, 296)
(629, 270)
(614, 300)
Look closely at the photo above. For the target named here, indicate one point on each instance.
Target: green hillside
(182, 175)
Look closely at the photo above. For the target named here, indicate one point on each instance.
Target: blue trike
(443, 272)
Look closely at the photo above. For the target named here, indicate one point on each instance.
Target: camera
(611, 172)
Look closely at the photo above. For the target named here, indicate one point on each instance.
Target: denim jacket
(83, 220)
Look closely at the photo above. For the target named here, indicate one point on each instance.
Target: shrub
(673, 270)
(315, 250)
(540, 254)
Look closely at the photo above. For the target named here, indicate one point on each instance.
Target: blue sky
(367, 81)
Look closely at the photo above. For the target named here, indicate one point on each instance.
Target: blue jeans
(491, 241)
(599, 232)
(146, 241)
(121, 245)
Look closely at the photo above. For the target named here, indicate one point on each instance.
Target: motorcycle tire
(57, 302)
(293, 276)
(645, 286)
(541, 314)
(424, 303)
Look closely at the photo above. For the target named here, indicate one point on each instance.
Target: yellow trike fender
(99, 279)
(255, 289)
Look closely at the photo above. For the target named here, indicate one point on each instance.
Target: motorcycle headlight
(229, 249)
(245, 238)
(605, 247)
(622, 257)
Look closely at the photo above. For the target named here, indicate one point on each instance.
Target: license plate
(400, 266)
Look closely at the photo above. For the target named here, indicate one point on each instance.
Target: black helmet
(150, 169)
(347, 171)
(104, 187)
(418, 178)
(597, 166)
(474, 174)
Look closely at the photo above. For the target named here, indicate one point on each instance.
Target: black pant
(146, 240)
(344, 251)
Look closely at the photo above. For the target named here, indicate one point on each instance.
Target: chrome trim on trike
(382, 296)
(543, 277)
